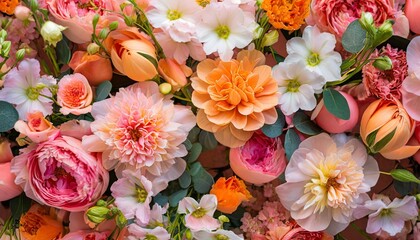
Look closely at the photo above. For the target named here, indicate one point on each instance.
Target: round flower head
(199, 216)
(327, 177)
(287, 15)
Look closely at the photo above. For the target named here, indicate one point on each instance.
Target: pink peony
(77, 16)
(260, 160)
(335, 15)
(59, 173)
(386, 84)
(74, 95)
(140, 128)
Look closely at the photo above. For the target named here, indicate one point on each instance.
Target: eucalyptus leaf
(291, 142)
(353, 39)
(103, 91)
(336, 104)
(161, 199)
(305, 125)
(202, 181)
(193, 134)
(208, 140)
(177, 196)
(195, 152)
(185, 180)
(276, 129)
(195, 168)
(8, 116)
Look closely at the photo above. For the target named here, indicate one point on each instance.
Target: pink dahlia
(140, 128)
(386, 84)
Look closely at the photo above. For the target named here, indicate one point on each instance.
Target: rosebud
(22, 13)
(165, 88)
(93, 48)
(270, 38)
(366, 21)
(97, 214)
(384, 32)
(383, 63)
(386, 128)
(51, 32)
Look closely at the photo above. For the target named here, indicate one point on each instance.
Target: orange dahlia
(286, 14)
(8, 6)
(235, 98)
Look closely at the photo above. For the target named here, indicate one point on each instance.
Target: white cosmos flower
(316, 51)
(327, 178)
(224, 26)
(297, 86)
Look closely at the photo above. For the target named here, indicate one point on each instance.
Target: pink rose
(76, 128)
(84, 235)
(335, 15)
(59, 173)
(77, 16)
(38, 129)
(8, 188)
(260, 160)
(74, 94)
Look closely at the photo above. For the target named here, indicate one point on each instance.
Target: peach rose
(74, 95)
(386, 128)
(174, 73)
(8, 188)
(132, 54)
(235, 98)
(38, 129)
(95, 68)
(77, 16)
(230, 194)
(6, 154)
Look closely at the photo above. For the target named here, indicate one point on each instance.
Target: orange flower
(37, 224)
(174, 73)
(8, 6)
(235, 98)
(132, 54)
(286, 14)
(95, 68)
(230, 194)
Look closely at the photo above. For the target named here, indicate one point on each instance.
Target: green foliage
(276, 129)
(303, 123)
(354, 37)
(291, 142)
(8, 116)
(103, 90)
(208, 140)
(336, 104)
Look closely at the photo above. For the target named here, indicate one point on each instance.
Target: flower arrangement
(209, 119)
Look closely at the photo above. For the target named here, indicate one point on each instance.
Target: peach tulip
(95, 68)
(6, 154)
(8, 188)
(174, 73)
(132, 54)
(412, 9)
(386, 128)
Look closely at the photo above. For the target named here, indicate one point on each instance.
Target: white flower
(138, 233)
(297, 86)
(27, 90)
(316, 51)
(224, 26)
(51, 32)
(216, 235)
(326, 179)
(386, 215)
(132, 196)
(199, 216)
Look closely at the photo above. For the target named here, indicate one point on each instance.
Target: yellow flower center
(385, 212)
(173, 15)
(150, 237)
(313, 59)
(203, 3)
(293, 85)
(223, 31)
(141, 194)
(221, 237)
(32, 93)
(199, 212)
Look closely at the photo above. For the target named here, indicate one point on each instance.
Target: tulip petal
(401, 153)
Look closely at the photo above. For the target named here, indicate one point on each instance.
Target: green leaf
(193, 134)
(384, 141)
(176, 197)
(403, 175)
(63, 51)
(8, 116)
(406, 188)
(187, 144)
(149, 58)
(336, 104)
(202, 181)
(185, 180)
(371, 138)
(19, 205)
(195, 168)
(103, 91)
(208, 140)
(304, 124)
(276, 129)
(161, 199)
(353, 39)
(194, 152)
(291, 142)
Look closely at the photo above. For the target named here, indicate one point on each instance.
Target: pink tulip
(260, 160)
(412, 9)
(8, 188)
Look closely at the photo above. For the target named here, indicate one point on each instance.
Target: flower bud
(95, 20)
(383, 63)
(223, 219)
(188, 234)
(386, 128)
(366, 21)
(3, 34)
(121, 220)
(5, 48)
(103, 33)
(20, 54)
(93, 48)
(403, 175)
(384, 32)
(22, 13)
(33, 5)
(51, 32)
(258, 32)
(270, 38)
(97, 214)
(165, 88)
(113, 26)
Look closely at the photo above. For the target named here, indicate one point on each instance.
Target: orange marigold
(286, 14)
(230, 194)
(235, 98)
(8, 6)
